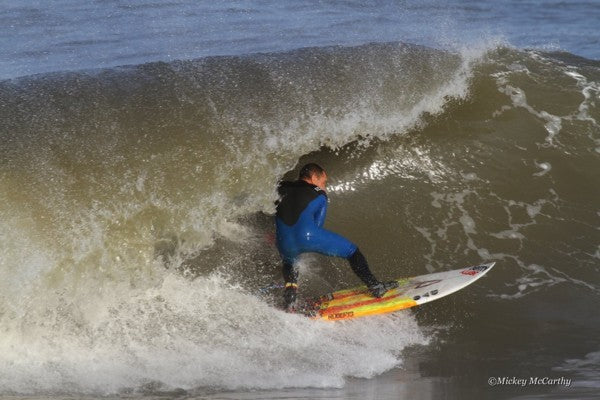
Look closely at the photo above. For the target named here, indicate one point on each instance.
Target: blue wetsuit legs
(357, 262)
(328, 243)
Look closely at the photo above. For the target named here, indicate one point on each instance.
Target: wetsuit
(299, 221)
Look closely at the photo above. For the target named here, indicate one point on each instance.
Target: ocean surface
(141, 143)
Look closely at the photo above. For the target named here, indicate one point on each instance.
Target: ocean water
(59, 35)
(141, 145)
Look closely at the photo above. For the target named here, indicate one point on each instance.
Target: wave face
(135, 206)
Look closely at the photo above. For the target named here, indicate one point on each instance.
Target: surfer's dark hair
(311, 169)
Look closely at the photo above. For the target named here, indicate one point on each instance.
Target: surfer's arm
(321, 211)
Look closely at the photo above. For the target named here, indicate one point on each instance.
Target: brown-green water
(136, 203)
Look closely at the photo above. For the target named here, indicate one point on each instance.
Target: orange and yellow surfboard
(357, 302)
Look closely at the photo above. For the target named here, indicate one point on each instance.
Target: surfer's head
(314, 174)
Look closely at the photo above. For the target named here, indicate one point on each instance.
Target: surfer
(299, 223)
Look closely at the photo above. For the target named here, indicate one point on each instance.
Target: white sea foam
(590, 91)
(586, 370)
(189, 334)
(408, 163)
(553, 123)
(591, 97)
(545, 168)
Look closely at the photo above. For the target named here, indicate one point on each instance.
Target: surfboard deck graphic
(357, 302)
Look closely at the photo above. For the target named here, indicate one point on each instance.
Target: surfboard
(411, 292)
